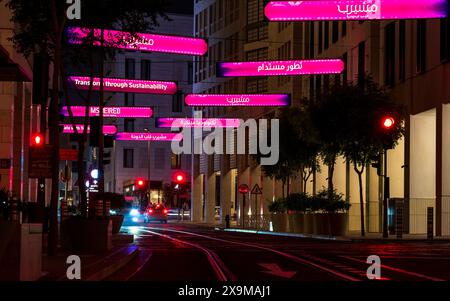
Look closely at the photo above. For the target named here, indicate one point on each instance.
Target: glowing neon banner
(278, 68)
(140, 41)
(107, 129)
(148, 137)
(110, 112)
(197, 123)
(355, 10)
(238, 100)
(125, 85)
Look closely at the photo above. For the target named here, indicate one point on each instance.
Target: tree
(41, 27)
(298, 148)
(360, 127)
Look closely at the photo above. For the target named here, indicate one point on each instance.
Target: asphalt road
(180, 252)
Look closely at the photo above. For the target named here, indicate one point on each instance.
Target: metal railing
(258, 222)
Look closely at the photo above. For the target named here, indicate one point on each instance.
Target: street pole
(385, 198)
(101, 144)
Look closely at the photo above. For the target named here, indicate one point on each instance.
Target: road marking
(276, 270)
(292, 257)
(211, 256)
(398, 270)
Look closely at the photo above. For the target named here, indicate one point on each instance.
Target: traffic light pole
(385, 197)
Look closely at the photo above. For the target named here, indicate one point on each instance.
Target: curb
(311, 236)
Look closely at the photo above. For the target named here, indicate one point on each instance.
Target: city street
(176, 252)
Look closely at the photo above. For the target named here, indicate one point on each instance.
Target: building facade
(20, 118)
(409, 58)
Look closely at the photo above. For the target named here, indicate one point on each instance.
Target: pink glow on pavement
(110, 112)
(125, 85)
(107, 129)
(355, 10)
(197, 123)
(149, 137)
(238, 100)
(277, 68)
(141, 41)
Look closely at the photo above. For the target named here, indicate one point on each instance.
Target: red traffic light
(140, 183)
(243, 188)
(180, 178)
(388, 122)
(37, 139)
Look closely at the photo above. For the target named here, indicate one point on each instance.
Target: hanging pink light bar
(238, 100)
(107, 129)
(355, 10)
(281, 68)
(110, 112)
(125, 85)
(141, 41)
(197, 123)
(149, 137)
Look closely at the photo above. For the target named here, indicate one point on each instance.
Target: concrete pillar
(196, 190)
(196, 199)
(225, 195)
(210, 199)
(445, 195)
(268, 193)
(243, 178)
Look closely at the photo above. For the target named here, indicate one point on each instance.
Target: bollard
(108, 207)
(227, 221)
(399, 219)
(64, 210)
(99, 208)
(14, 211)
(430, 223)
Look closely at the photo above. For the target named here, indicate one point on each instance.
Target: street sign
(243, 188)
(256, 189)
(40, 162)
(68, 154)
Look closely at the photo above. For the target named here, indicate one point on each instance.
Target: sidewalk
(93, 267)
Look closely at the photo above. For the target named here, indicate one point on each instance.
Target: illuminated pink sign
(355, 10)
(238, 100)
(107, 129)
(110, 112)
(276, 68)
(141, 41)
(197, 123)
(125, 85)
(149, 137)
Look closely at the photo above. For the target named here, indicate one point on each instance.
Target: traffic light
(141, 184)
(387, 126)
(179, 178)
(37, 140)
(377, 164)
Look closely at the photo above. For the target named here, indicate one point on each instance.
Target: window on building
(175, 161)
(129, 125)
(335, 32)
(389, 54)
(257, 27)
(402, 50)
(130, 68)
(344, 28)
(345, 73)
(129, 99)
(128, 158)
(421, 46)
(190, 73)
(445, 39)
(145, 69)
(361, 62)
(320, 46)
(160, 158)
(311, 41)
(177, 102)
(326, 42)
